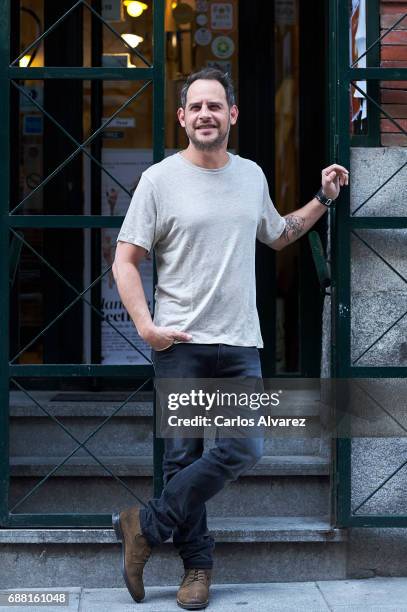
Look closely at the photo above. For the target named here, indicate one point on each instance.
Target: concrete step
(142, 465)
(223, 529)
(255, 549)
(37, 436)
(97, 404)
(120, 437)
(21, 406)
(129, 432)
(248, 496)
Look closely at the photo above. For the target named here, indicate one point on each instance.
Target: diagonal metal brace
(68, 135)
(80, 294)
(82, 147)
(80, 445)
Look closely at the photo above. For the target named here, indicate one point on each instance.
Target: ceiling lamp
(25, 61)
(132, 39)
(135, 8)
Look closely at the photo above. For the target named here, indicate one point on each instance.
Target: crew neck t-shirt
(202, 224)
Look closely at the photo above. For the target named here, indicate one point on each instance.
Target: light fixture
(135, 8)
(25, 61)
(132, 39)
(28, 58)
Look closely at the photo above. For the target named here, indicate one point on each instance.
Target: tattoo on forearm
(294, 227)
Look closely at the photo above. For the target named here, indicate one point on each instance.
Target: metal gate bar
(342, 75)
(9, 220)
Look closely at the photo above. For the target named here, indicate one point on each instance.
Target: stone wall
(378, 299)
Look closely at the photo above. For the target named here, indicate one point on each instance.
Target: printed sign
(126, 165)
(35, 92)
(222, 16)
(113, 60)
(113, 134)
(123, 122)
(32, 125)
(285, 12)
(112, 10)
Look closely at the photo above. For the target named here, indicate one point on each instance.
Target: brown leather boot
(135, 550)
(193, 593)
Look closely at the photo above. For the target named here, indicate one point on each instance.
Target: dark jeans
(192, 476)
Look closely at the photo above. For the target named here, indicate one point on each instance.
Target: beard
(210, 145)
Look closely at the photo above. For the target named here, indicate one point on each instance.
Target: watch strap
(321, 197)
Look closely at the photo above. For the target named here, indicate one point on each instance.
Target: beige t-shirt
(203, 224)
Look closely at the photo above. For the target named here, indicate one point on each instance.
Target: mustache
(203, 125)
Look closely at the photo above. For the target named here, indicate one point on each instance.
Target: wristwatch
(321, 197)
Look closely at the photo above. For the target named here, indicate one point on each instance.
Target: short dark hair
(210, 74)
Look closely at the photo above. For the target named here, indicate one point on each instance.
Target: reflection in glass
(357, 31)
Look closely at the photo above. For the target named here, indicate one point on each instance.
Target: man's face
(207, 117)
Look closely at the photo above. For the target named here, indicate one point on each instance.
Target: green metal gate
(347, 224)
(11, 222)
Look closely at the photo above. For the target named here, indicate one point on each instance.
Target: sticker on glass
(201, 6)
(222, 16)
(223, 47)
(222, 65)
(203, 37)
(201, 19)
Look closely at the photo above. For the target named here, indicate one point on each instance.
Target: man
(201, 210)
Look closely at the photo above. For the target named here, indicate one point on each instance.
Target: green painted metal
(15, 252)
(4, 262)
(159, 152)
(71, 221)
(80, 370)
(80, 296)
(132, 50)
(378, 222)
(67, 520)
(374, 372)
(371, 520)
(372, 138)
(11, 73)
(344, 225)
(85, 74)
(81, 445)
(379, 74)
(320, 262)
(70, 137)
(82, 147)
(79, 5)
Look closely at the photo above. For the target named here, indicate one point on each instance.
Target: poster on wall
(126, 165)
(126, 347)
(222, 16)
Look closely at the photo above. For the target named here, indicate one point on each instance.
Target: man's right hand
(161, 338)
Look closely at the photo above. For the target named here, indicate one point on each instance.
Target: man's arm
(130, 287)
(301, 220)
